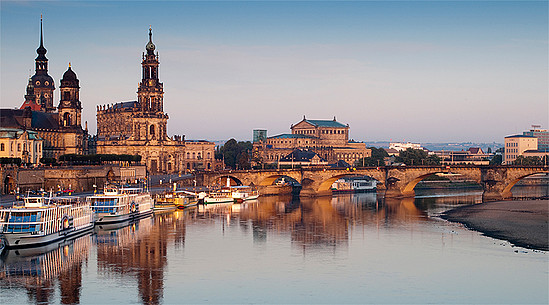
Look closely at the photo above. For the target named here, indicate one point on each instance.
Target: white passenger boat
(120, 204)
(354, 185)
(243, 193)
(43, 220)
(223, 195)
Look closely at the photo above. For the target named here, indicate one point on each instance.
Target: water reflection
(37, 270)
(238, 252)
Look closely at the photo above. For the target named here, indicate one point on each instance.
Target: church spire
(41, 50)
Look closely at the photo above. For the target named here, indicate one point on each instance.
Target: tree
(376, 159)
(521, 160)
(233, 152)
(496, 160)
(417, 157)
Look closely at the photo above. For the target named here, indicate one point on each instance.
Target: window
(66, 95)
(18, 146)
(2, 148)
(151, 131)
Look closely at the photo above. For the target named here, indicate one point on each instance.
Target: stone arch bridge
(395, 181)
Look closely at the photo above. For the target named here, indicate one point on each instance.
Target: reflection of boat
(44, 262)
(120, 204)
(243, 193)
(175, 199)
(42, 220)
(354, 185)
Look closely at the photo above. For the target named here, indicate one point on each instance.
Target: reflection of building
(60, 127)
(140, 249)
(516, 145)
(329, 139)
(18, 143)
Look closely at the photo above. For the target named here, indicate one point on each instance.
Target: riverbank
(523, 223)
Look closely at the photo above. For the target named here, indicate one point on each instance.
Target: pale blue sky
(422, 71)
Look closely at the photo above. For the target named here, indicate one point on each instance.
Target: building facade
(59, 127)
(516, 145)
(329, 139)
(541, 134)
(19, 143)
(140, 127)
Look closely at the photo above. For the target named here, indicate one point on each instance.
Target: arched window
(208, 156)
(66, 95)
(188, 155)
(151, 131)
(18, 146)
(67, 119)
(194, 155)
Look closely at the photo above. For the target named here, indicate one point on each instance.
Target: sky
(419, 71)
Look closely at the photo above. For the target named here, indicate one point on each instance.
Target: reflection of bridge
(397, 181)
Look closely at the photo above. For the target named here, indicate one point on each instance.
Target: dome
(42, 80)
(69, 74)
(150, 45)
(69, 78)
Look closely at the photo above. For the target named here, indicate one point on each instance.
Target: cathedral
(59, 127)
(139, 127)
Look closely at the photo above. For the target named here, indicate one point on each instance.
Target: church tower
(151, 91)
(70, 108)
(30, 98)
(42, 82)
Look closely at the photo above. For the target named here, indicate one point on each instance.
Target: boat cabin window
(23, 222)
(104, 205)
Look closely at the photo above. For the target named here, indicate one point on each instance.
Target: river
(346, 249)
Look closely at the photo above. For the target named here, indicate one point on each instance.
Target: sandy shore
(523, 223)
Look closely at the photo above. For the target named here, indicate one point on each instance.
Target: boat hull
(22, 240)
(108, 218)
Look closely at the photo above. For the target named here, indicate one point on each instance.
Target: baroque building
(329, 139)
(140, 127)
(59, 127)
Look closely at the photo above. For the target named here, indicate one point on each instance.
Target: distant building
(329, 139)
(300, 157)
(259, 135)
(474, 155)
(516, 145)
(541, 134)
(399, 146)
(19, 143)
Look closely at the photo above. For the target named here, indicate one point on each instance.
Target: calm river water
(345, 249)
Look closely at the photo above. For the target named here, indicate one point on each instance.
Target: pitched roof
(299, 155)
(13, 118)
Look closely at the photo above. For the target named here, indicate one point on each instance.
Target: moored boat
(43, 220)
(243, 193)
(224, 195)
(120, 204)
(354, 185)
(175, 200)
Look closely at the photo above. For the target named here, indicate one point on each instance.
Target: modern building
(399, 146)
(516, 145)
(474, 155)
(541, 134)
(140, 127)
(59, 127)
(329, 139)
(23, 144)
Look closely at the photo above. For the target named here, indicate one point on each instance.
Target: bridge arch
(326, 185)
(222, 180)
(270, 180)
(507, 188)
